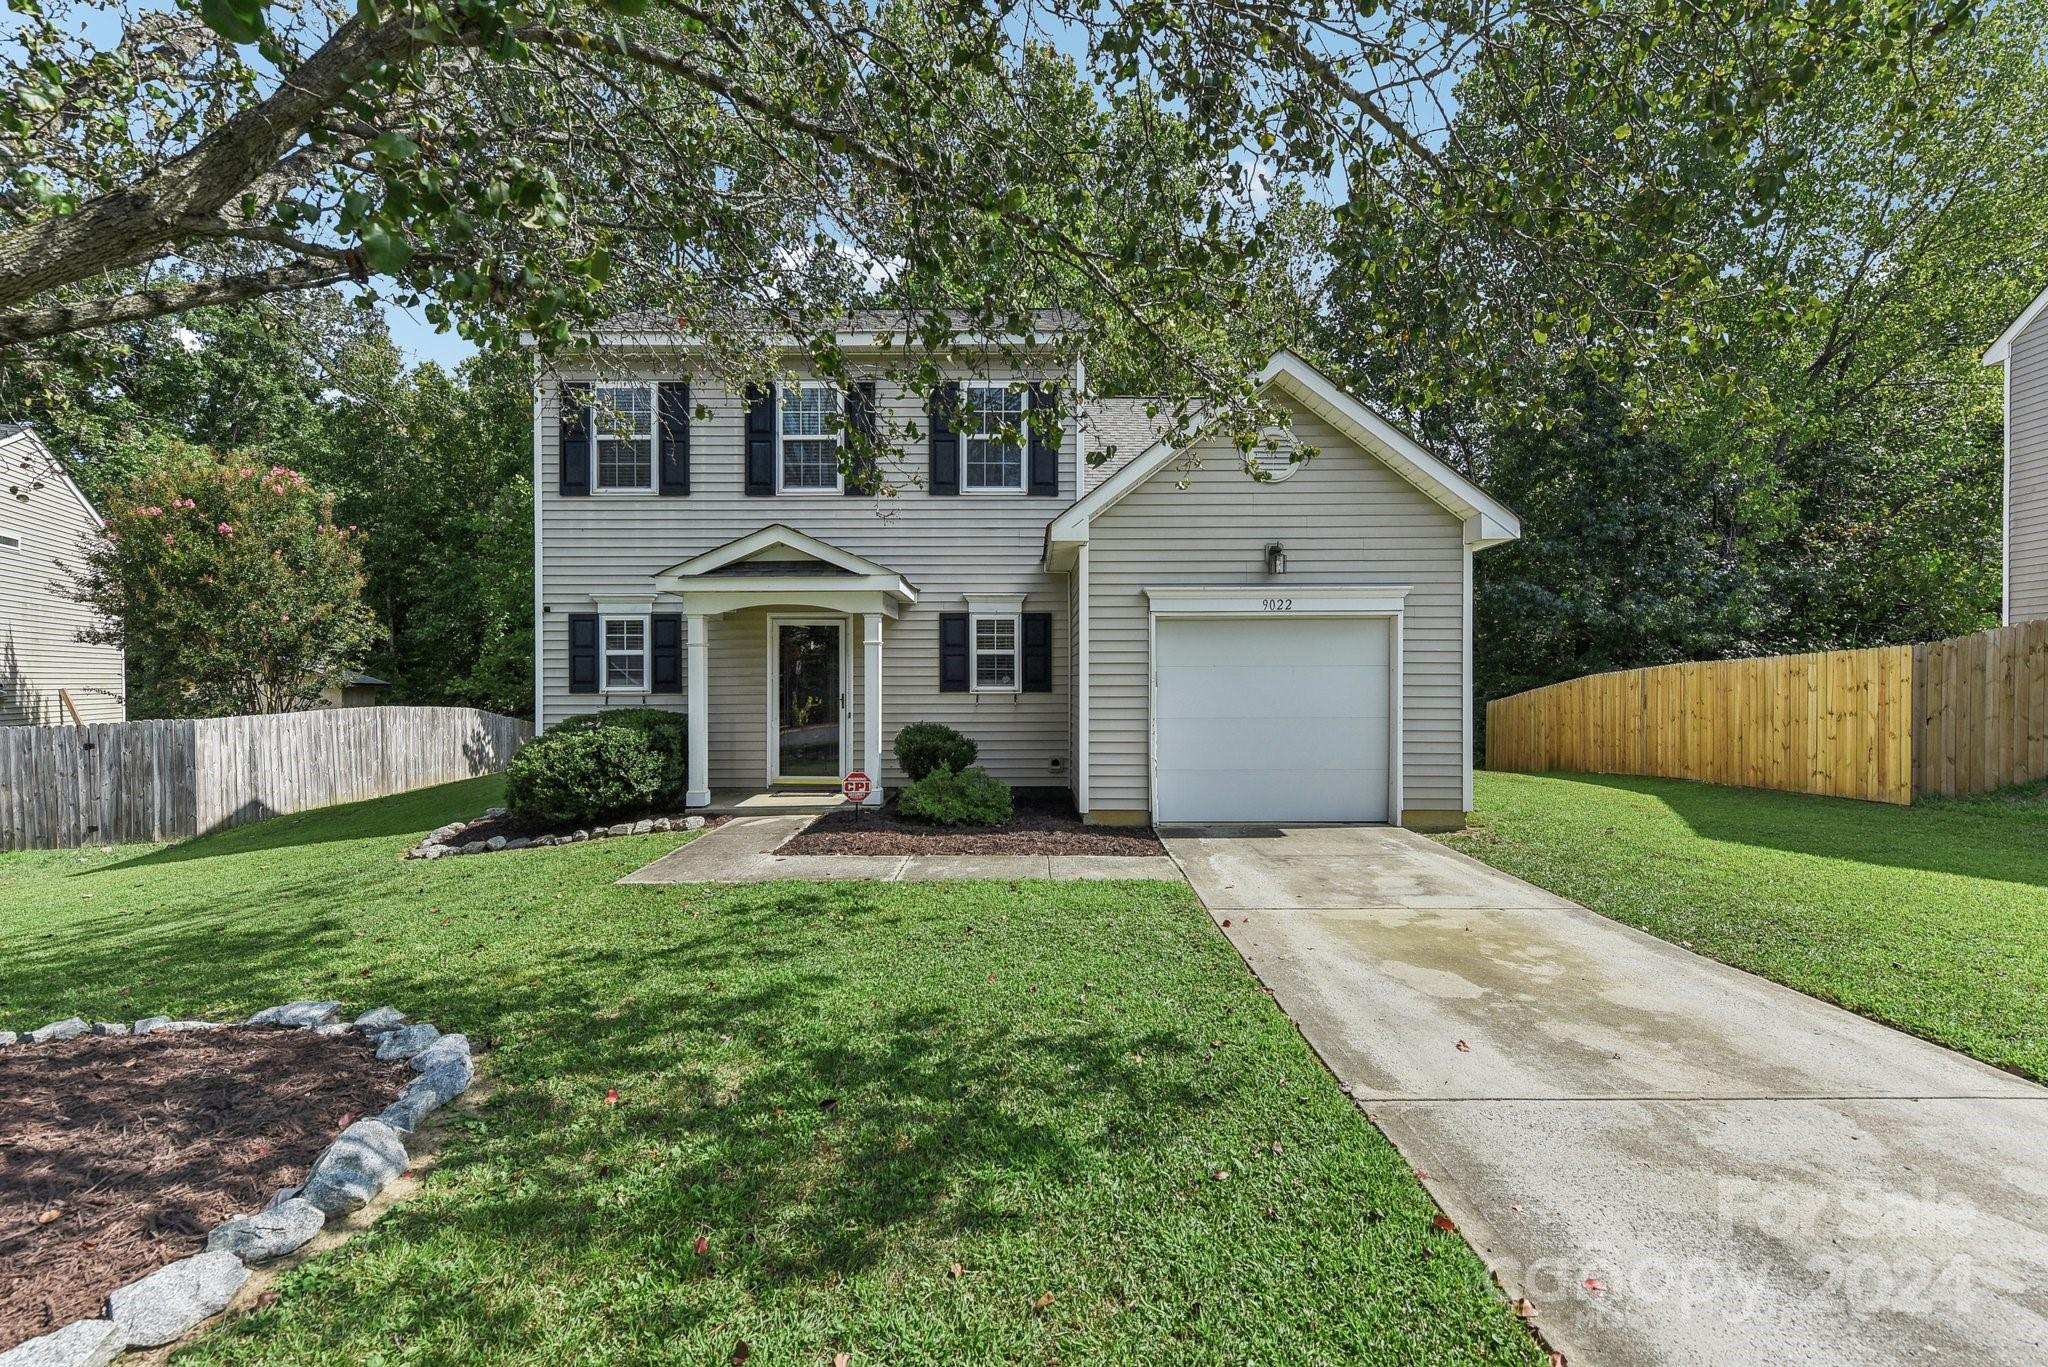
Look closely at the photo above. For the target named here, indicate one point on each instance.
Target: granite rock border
(163, 1306)
(454, 838)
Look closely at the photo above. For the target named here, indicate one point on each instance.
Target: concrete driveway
(1675, 1161)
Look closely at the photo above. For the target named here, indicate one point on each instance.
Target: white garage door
(1272, 718)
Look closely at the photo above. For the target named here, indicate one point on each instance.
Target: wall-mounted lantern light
(1276, 558)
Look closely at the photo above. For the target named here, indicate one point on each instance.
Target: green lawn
(844, 1088)
(1933, 918)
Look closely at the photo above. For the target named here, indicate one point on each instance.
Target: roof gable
(1486, 521)
(778, 545)
(18, 441)
(2002, 348)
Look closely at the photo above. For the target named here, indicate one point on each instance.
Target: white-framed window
(622, 438)
(623, 657)
(992, 438)
(992, 639)
(807, 461)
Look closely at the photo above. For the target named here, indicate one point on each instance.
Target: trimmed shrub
(970, 797)
(924, 747)
(666, 733)
(603, 766)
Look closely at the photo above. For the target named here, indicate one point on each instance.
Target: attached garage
(1281, 716)
(1286, 644)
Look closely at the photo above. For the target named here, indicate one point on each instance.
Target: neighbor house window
(995, 654)
(622, 430)
(625, 653)
(992, 439)
(9, 543)
(810, 438)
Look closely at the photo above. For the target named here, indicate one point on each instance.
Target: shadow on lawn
(1969, 839)
(405, 815)
(769, 1099)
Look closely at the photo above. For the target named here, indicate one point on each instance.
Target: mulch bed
(119, 1154)
(1044, 823)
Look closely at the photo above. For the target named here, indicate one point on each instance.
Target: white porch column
(697, 683)
(871, 693)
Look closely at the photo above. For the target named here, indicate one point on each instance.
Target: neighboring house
(43, 516)
(2023, 352)
(1164, 636)
(355, 690)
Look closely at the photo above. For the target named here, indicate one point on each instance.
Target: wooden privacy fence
(66, 786)
(1959, 716)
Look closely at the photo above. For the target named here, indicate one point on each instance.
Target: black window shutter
(575, 439)
(945, 472)
(761, 440)
(1044, 453)
(860, 431)
(675, 438)
(1038, 652)
(583, 652)
(665, 672)
(952, 652)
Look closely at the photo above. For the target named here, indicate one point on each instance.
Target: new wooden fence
(1959, 716)
(66, 786)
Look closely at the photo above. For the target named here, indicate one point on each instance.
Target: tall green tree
(1832, 478)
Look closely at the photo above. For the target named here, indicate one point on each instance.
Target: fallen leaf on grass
(1222, 1174)
(1042, 1302)
(1445, 1223)
(266, 1299)
(702, 1246)
(954, 1269)
(611, 1096)
(47, 1217)
(841, 1359)
(741, 1352)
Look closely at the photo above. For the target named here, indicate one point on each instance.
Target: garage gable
(1307, 390)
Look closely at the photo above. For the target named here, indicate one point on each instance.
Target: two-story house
(44, 515)
(2023, 351)
(1160, 633)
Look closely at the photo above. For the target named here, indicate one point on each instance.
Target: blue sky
(416, 339)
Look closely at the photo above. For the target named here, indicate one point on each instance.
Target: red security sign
(856, 787)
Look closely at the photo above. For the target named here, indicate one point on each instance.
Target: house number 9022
(1277, 604)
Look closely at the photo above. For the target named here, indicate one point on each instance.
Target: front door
(808, 700)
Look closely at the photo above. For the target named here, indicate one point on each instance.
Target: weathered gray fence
(66, 786)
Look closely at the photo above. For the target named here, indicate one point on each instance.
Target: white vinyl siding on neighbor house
(2026, 546)
(948, 547)
(40, 652)
(1345, 518)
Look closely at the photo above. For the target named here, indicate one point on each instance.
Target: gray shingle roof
(1121, 422)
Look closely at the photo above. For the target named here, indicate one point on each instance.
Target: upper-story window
(622, 421)
(992, 439)
(809, 458)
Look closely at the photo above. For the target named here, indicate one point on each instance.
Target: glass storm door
(809, 700)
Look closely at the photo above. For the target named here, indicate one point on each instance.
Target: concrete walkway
(741, 851)
(1675, 1161)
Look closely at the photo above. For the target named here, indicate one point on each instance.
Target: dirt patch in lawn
(1044, 823)
(120, 1154)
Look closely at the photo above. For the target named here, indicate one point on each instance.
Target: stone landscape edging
(165, 1305)
(443, 841)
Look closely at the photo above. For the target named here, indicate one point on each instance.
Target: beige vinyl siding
(1345, 519)
(946, 547)
(40, 652)
(2027, 474)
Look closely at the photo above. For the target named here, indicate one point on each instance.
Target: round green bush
(666, 733)
(580, 773)
(926, 746)
(970, 797)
